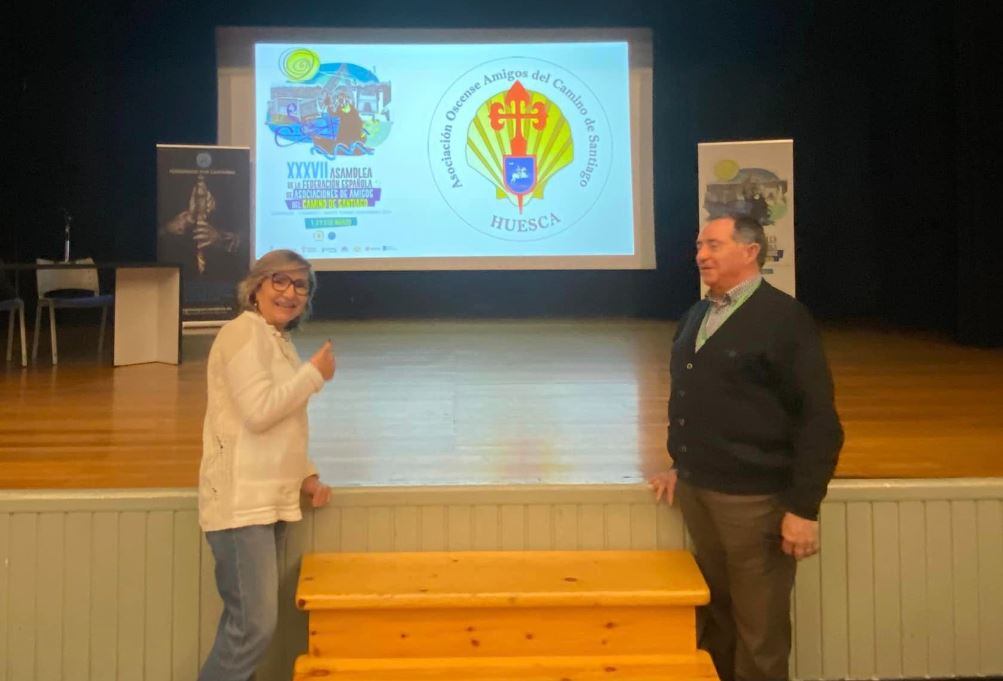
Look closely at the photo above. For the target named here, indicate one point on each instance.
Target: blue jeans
(247, 577)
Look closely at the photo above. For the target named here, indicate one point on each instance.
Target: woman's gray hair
(281, 260)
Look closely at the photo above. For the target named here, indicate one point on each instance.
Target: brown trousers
(746, 628)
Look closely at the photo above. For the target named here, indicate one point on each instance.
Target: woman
(254, 454)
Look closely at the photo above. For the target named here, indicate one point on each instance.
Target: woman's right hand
(664, 484)
(323, 359)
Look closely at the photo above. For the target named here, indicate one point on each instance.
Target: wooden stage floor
(489, 402)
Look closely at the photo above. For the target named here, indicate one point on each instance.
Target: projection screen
(446, 149)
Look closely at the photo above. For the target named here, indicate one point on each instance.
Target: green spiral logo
(299, 64)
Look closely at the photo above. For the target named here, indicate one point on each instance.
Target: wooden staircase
(533, 616)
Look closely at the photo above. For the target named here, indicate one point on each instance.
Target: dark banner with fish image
(204, 225)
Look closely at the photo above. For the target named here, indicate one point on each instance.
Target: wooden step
(486, 632)
(534, 616)
(500, 604)
(696, 666)
(506, 579)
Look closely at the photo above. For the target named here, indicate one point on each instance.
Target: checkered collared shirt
(721, 308)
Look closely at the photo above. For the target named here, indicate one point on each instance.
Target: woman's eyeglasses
(281, 281)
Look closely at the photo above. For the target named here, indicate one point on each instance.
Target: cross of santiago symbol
(520, 109)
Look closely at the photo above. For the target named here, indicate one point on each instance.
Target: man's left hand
(318, 492)
(800, 536)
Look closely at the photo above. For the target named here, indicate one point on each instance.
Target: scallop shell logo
(299, 64)
(519, 124)
(521, 149)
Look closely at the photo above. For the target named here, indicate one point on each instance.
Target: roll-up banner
(204, 225)
(754, 178)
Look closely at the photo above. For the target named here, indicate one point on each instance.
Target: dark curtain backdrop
(887, 105)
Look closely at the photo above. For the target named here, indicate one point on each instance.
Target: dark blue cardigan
(753, 412)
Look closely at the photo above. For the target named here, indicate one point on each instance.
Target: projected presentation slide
(443, 150)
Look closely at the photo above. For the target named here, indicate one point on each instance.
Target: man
(754, 438)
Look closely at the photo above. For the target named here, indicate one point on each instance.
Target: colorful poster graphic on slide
(432, 151)
(337, 109)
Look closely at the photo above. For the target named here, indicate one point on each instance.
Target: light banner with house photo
(754, 178)
(204, 225)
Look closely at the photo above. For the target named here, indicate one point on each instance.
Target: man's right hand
(664, 484)
(323, 359)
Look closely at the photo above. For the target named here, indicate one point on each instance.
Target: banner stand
(754, 178)
(204, 225)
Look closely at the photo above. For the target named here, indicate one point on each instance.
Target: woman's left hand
(318, 492)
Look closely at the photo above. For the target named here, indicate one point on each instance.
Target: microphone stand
(66, 239)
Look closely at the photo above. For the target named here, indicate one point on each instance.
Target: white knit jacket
(254, 440)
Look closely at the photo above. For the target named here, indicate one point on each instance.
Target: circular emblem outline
(435, 156)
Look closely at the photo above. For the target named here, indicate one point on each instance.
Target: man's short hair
(749, 231)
